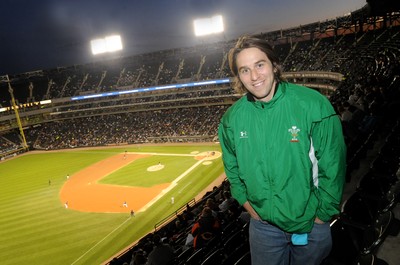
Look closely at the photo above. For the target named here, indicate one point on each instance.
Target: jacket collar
(278, 93)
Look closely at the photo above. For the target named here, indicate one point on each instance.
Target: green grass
(36, 229)
(136, 174)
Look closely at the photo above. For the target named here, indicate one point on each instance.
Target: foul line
(84, 254)
(161, 154)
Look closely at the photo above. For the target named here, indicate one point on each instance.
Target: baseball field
(75, 206)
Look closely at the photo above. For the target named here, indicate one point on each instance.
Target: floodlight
(107, 44)
(113, 43)
(98, 46)
(211, 25)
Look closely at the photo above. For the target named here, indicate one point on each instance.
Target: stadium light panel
(113, 43)
(98, 46)
(206, 26)
(107, 44)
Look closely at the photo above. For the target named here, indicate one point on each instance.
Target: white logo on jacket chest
(243, 134)
(294, 131)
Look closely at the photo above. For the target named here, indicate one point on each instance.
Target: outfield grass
(35, 228)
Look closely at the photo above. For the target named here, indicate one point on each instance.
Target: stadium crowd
(358, 94)
(128, 128)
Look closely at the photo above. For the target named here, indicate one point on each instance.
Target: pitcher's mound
(155, 168)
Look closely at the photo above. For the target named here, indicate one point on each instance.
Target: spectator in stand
(162, 253)
(205, 228)
(138, 258)
(345, 114)
(227, 201)
(210, 203)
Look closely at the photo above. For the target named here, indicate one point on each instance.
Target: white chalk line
(84, 254)
(184, 187)
(160, 154)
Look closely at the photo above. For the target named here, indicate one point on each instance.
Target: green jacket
(286, 157)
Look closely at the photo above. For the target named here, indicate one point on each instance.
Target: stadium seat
(216, 257)
(380, 193)
(196, 258)
(374, 235)
(233, 256)
(344, 249)
(244, 260)
(357, 211)
(230, 228)
(184, 255)
(369, 259)
(235, 240)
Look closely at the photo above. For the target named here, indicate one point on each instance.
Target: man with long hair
(284, 156)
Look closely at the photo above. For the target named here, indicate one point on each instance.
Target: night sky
(46, 34)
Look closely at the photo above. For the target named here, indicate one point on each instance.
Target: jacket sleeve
(330, 151)
(226, 139)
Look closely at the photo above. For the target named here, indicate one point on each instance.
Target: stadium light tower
(107, 44)
(207, 26)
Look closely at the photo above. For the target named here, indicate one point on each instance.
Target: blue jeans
(271, 246)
